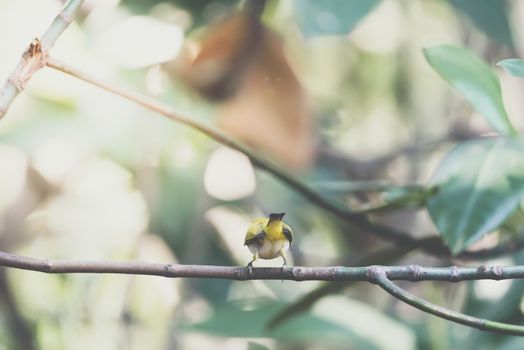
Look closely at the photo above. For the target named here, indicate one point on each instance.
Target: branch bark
(412, 273)
(35, 56)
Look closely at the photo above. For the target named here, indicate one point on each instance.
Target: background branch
(432, 245)
(35, 55)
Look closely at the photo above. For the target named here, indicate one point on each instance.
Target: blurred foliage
(333, 17)
(341, 93)
(489, 16)
(201, 11)
(513, 66)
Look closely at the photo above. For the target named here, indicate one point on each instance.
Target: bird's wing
(259, 238)
(255, 231)
(287, 232)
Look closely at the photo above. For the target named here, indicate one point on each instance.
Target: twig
(383, 256)
(430, 245)
(34, 57)
(380, 276)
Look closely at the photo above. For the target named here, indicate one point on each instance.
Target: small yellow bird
(268, 238)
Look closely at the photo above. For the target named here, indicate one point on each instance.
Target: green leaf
(480, 184)
(513, 66)
(489, 16)
(475, 80)
(330, 17)
(248, 319)
(256, 346)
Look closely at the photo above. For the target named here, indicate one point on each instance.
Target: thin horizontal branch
(34, 57)
(432, 245)
(413, 273)
(380, 276)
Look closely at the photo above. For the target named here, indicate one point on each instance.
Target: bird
(268, 238)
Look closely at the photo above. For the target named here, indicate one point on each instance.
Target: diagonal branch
(34, 57)
(381, 278)
(432, 245)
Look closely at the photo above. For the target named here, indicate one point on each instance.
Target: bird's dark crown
(276, 216)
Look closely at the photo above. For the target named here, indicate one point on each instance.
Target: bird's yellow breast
(274, 231)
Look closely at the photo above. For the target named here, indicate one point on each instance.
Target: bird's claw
(284, 265)
(283, 270)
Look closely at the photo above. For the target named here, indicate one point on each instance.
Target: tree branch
(380, 276)
(412, 273)
(432, 245)
(34, 57)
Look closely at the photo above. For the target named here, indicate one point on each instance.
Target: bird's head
(276, 217)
